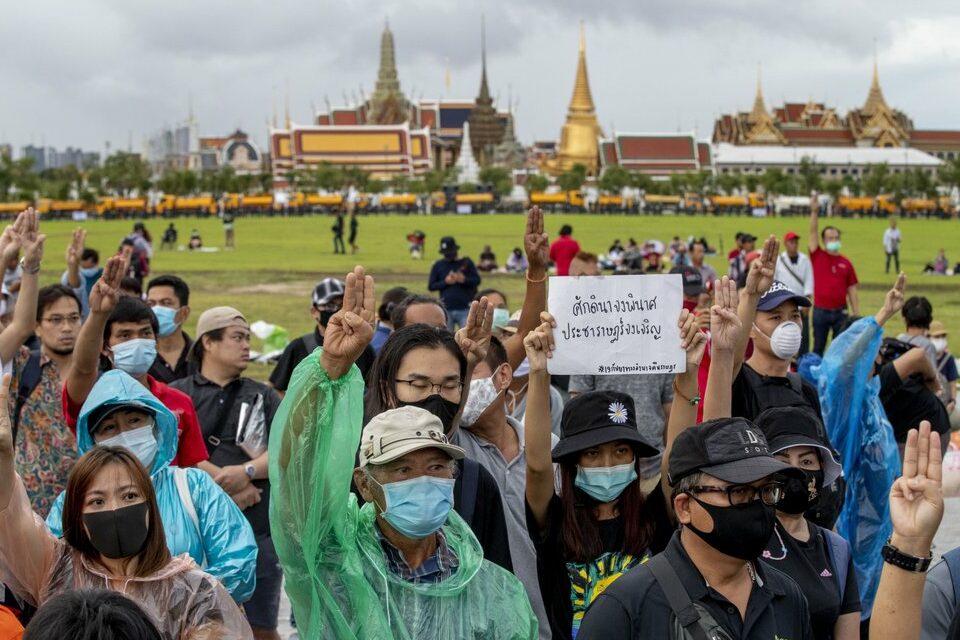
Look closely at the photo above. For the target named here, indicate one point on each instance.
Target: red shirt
(190, 446)
(563, 250)
(832, 276)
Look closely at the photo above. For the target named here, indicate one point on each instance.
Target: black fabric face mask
(438, 406)
(325, 317)
(801, 494)
(740, 531)
(119, 533)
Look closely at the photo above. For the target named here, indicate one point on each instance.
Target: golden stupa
(579, 139)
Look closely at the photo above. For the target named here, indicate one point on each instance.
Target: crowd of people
(413, 470)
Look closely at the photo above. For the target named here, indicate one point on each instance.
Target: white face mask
(785, 339)
(140, 441)
(482, 394)
(940, 344)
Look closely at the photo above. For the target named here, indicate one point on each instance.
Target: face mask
(483, 393)
(119, 533)
(940, 344)
(739, 532)
(438, 406)
(135, 356)
(90, 272)
(523, 369)
(140, 441)
(785, 339)
(325, 317)
(166, 317)
(801, 494)
(833, 245)
(500, 318)
(605, 484)
(418, 507)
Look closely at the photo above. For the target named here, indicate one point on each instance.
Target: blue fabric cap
(777, 294)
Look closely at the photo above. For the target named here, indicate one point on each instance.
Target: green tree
(124, 172)
(810, 175)
(852, 184)
(948, 175)
(614, 179)
(875, 180)
(833, 188)
(776, 182)
(643, 182)
(750, 182)
(499, 177)
(572, 180)
(536, 182)
(730, 182)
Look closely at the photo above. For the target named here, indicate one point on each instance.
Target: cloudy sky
(88, 72)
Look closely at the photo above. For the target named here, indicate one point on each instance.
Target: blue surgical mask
(141, 442)
(418, 507)
(166, 317)
(605, 484)
(135, 356)
(500, 318)
(90, 273)
(833, 245)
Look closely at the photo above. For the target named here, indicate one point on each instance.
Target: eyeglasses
(56, 321)
(426, 387)
(739, 494)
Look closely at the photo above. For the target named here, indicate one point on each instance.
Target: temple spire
(875, 100)
(759, 111)
(387, 104)
(485, 126)
(582, 100)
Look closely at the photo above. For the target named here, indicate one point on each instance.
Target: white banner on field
(612, 325)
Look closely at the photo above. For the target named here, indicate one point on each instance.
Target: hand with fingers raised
(350, 329)
(916, 497)
(692, 340)
(893, 302)
(540, 344)
(725, 324)
(106, 290)
(762, 270)
(474, 336)
(536, 243)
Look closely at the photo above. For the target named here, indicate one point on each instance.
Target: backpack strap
(310, 342)
(186, 499)
(952, 558)
(468, 489)
(687, 614)
(838, 552)
(29, 379)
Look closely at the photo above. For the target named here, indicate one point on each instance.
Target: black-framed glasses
(739, 494)
(426, 387)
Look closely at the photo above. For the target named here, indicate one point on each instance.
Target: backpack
(952, 558)
(838, 552)
(692, 621)
(29, 379)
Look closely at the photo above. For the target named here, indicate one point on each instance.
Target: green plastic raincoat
(336, 572)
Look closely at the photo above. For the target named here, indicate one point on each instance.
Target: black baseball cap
(731, 449)
(448, 243)
(598, 417)
(747, 237)
(786, 427)
(777, 294)
(107, 409)
(326, 290)
(692, 280)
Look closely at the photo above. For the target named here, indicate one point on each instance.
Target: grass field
(277, 261)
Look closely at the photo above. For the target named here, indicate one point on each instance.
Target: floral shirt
(45, 449)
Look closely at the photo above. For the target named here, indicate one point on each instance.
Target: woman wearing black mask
(819, 560)
(112, 537)
(427, 367)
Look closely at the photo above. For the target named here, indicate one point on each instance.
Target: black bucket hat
(596, 418)
(786, 427)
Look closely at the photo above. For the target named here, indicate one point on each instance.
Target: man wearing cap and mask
(235, 416)
(708, 581)
(795, 271)
(456, 279)
(169, 297)
(326, 300)
(404, 565)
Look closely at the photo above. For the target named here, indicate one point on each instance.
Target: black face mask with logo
(119, 533)
(740, 531)
(438, 406)
(801, 494)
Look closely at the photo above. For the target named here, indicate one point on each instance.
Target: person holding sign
(600, 524)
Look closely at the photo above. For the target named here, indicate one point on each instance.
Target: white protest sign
(612, 325)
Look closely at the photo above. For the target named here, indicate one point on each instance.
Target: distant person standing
(796, 272)
(834, 281)
(337, 229)
(456, 279)
(891, 245)
(698, 250)
(354, 223)
(228, 220)
(563, 250)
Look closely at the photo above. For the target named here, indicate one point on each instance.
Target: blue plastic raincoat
(336, 572)
(224, 541)
(858, 428)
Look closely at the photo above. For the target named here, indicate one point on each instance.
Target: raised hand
(893, 303)
(536, 243)
(75, 248)
(474, 336)
(540, 344)
(31, 239)
(692, 340)
(106, 290)
(725, 324)
(12, 235)
(760, 275)
(350, 329)
(916, 497)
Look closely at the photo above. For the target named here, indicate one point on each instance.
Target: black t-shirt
(296, 351)
(487, 522)
(567, 586)
(808, 563)
(909, 401)
(753, 393)
(636, 607)
(166, 374)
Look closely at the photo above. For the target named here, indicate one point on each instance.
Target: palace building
(814, 124)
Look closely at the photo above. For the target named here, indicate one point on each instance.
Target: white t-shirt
(798, 277)
(891, 240)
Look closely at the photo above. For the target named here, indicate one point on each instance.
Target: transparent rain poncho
(858, 428)
(336, 571)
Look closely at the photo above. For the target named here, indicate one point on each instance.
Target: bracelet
(905, 561)
(540, 281)
(695, 400)
(26, 269)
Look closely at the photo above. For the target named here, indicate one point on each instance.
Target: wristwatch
(250, 470)
(897, 558)
(26, 269)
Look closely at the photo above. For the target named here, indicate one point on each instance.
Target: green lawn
(271, 273)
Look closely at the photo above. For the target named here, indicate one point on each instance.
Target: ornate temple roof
(388, 105)
(486, 130)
